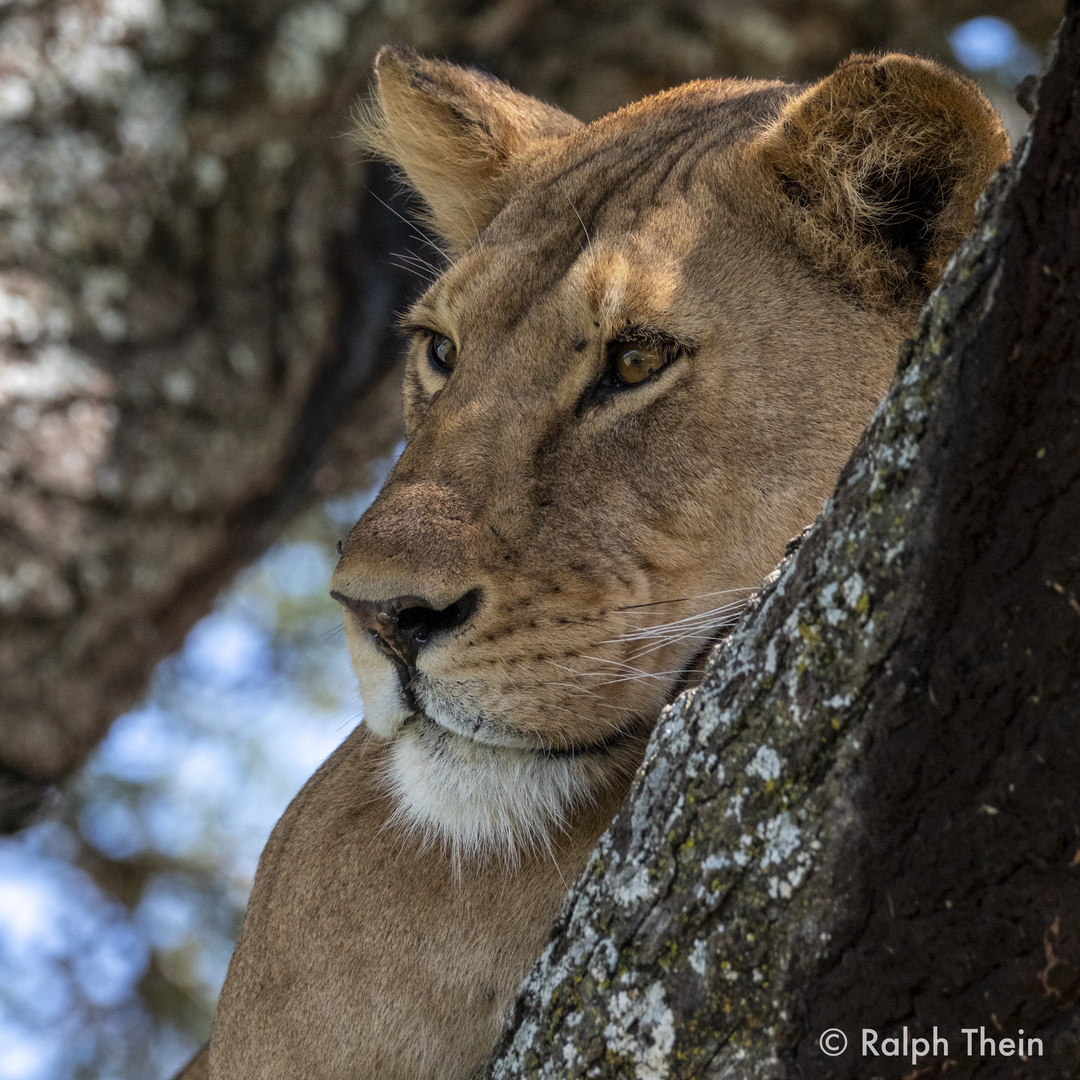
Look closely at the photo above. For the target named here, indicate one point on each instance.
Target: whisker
(588, 718)
(423, 275)
(613, 663)
(640, 676)
(418, 259)
(684, 627)
(684, 599)
(417, 232)
(704, 618)
(687, 637)
(588, 239)
(354, 718)
(413, 264)
(675, 626)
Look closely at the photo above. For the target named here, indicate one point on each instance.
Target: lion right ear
(453, 132)
(878, 167)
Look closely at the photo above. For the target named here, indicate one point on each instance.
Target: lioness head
(658, 339)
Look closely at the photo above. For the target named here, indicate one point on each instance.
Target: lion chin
(480, 791)
(477, 800)
(656, 339)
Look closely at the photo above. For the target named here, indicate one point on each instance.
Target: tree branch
(867, 816)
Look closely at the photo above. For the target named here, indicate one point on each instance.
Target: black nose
(405, 624)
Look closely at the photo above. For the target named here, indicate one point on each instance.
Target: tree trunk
(193, 293)
(867, 818)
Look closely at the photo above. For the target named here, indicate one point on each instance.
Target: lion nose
(405, 624)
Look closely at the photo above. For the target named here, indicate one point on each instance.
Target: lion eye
(635, 361)
(442, 353)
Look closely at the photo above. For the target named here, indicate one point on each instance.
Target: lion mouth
(468, 727)
(407, 674)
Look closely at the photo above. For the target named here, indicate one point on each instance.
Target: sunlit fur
(773, 244)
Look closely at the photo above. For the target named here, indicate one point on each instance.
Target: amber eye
(442, 353)
(635, 361)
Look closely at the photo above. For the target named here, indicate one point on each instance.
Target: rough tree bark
(193, 290)
(868, 816)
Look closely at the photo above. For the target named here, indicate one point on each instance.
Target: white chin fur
(480, 802)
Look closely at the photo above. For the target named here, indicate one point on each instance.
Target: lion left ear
(453, 132)
(879, 166)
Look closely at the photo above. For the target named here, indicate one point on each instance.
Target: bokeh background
(121, 898)
(120, 906)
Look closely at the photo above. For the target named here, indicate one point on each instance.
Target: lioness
(658, 339)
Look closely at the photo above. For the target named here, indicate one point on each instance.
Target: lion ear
(879, 166)
(452, 132)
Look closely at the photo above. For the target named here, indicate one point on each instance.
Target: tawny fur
(608, 532)
(885, 147)
(448, 139)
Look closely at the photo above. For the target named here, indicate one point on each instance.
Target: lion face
(635, 382)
